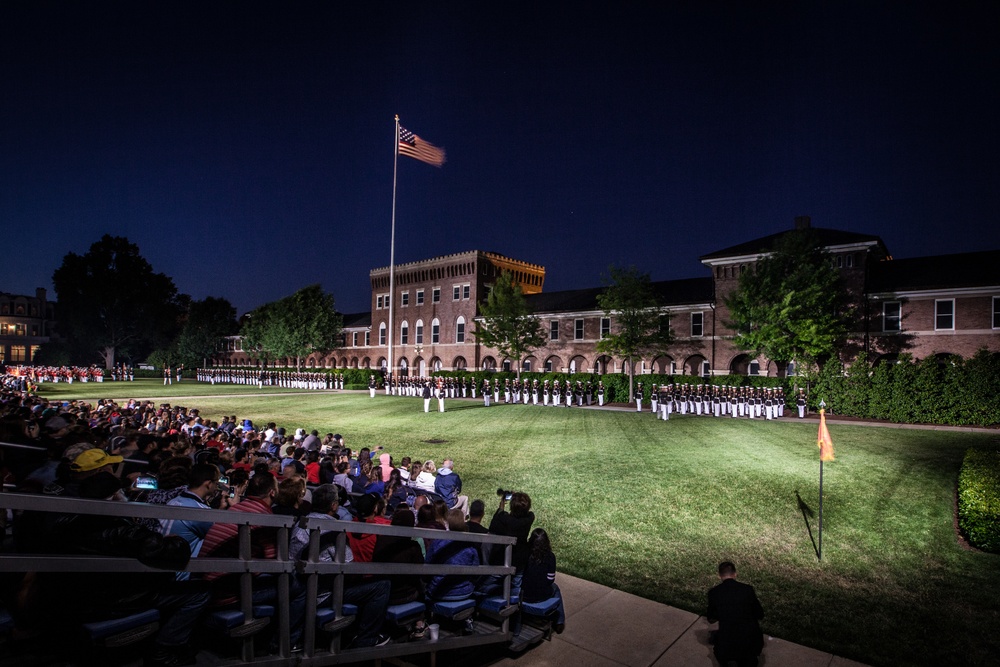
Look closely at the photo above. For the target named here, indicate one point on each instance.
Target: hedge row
(951, 391)
(979, 499)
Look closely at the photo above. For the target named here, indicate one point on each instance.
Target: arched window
(460, 330)
(381, 333)
(420, 332)
(435, 332)
(404, 333)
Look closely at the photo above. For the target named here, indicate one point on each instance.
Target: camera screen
(145, 483)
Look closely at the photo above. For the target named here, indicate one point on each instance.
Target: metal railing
(283, 567)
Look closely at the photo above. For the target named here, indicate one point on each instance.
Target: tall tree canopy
(507, 324)
(792, 306)
(204, 324)
(111, 301)
(295, 326)
(640, 325)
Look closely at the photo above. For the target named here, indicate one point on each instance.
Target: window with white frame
(378, 302)
(605, 327)
(996, 312)
(697, 324)
(354, 339)
(435, 332)
(578, 329)
(554, 330)
(404, 333)
(456, 292)
(460, 330)
(368, 338)
(891, 320)
(466, 291)
(405, 298)
(944, 315)
(753, 368)
(526, 366)
(436, 295)
(420, 297)
(420, 332)
(381, 334)
(548, 365)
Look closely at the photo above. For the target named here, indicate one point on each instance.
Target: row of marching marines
(716, 401)
(664, 400)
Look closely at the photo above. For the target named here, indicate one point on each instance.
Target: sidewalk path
(609, 628)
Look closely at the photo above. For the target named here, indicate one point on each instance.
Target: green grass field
(651, 508)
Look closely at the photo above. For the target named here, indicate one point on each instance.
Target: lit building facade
(924, 306)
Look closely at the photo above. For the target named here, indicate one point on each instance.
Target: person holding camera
(515, 523)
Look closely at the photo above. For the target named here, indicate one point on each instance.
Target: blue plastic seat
(123, 631)
(233, 623)
(327, 621)
(456, 610)
(403, 614)
(497, 606)
(543, 608)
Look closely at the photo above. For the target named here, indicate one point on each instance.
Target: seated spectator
(371, 596)
(312, 467)
(425, 480)
(415, 470)
(289, 497)
(375, 484)
(61, 598)
(516, 523)
(396, 493)
(400, 549)
(539, 582)
(203, 486)
(363, 544)
(449, 486)
(385, 462)
(222, 540)
(342, 479)
(452, 552)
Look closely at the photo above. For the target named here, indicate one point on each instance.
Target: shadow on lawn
(807, 514)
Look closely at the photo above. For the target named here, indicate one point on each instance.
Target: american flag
(412, 145)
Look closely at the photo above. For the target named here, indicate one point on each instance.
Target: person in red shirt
(222, 540)
(312, 467)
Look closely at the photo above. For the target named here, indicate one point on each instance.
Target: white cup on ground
(433, 631)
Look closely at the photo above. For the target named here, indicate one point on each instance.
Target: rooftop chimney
(802, 222)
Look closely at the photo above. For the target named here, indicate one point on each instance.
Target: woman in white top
(425, 480)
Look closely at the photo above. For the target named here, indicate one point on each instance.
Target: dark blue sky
(247, 148)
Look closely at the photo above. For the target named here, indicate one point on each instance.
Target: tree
(641, 325)
(205, 323)
(792, 306)
(295, 326)
(110, 301)
(507, 324)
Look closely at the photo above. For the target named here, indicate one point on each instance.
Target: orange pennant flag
(824, 441)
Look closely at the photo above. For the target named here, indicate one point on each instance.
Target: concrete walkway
(608, 628)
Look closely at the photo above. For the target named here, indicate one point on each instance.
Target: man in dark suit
(736, 607)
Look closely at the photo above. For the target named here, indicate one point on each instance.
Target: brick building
(25, 322)
(930, 305)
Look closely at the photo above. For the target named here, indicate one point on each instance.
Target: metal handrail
(284, 566)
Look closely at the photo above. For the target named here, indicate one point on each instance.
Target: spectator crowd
(173, 455)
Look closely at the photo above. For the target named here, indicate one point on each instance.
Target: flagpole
(392, 248)
(820, 551)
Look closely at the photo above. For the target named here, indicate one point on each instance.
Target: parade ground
(644, 508)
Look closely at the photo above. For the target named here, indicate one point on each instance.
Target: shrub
(979, 499)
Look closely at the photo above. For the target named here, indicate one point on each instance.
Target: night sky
(247, 148)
